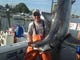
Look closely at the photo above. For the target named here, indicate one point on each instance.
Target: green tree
(21, 7)
(7, 6)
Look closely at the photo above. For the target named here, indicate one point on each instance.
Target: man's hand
(29, 43)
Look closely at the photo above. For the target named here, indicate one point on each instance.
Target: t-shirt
(78, 49)
(19, 31)
(39, 28)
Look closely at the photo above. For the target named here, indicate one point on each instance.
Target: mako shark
(59, 26)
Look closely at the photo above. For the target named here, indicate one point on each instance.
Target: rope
(71, 44)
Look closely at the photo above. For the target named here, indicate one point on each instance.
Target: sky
(43, 5)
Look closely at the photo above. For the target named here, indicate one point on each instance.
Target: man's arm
(29, 35)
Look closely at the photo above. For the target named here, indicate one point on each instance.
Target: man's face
(36, 16)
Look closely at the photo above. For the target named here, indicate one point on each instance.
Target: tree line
(21, 8)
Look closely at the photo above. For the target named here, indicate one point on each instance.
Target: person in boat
(36, 33)
(19, 31)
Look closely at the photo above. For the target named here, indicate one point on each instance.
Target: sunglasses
(36, 14)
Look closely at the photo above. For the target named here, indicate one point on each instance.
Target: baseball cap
(36, 12)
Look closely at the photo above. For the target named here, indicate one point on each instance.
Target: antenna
(52, 5)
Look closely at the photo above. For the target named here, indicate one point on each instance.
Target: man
(36, 32)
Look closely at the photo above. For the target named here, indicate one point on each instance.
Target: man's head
(36, 15)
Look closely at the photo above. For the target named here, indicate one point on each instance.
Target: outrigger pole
(52, 5)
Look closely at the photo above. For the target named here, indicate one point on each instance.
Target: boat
(16, 51)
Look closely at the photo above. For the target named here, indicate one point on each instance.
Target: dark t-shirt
(78, 50)
(19, 31)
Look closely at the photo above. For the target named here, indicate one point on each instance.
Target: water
(75, 20)
(5, 23)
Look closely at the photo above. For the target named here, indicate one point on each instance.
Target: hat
(36, 12)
